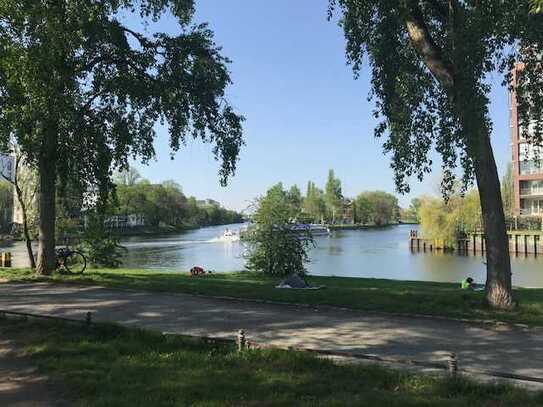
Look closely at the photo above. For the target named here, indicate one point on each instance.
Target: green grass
(435, 299)
(106, 365)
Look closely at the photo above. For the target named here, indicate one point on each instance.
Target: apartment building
(527, 165)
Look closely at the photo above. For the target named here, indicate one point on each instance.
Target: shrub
(274, 247)
(100, 246)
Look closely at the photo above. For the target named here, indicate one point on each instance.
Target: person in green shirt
(467, 284)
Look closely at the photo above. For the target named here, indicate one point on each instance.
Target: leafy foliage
(508, 191)
(6, 205)
(75, 69)
(412, 214)
(166, 204)
(419, 104)
(429, 63)
(100, 247)
(447, 219)
(314, 204)
(377, 208)
(275, 248)
(333, 197)
(81, 92)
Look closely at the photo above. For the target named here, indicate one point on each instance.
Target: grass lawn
(106, 365)
(427, 298)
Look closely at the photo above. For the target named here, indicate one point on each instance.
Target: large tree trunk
(498, 266)
(47, 210)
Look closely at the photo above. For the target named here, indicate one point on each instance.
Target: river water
(377, 253)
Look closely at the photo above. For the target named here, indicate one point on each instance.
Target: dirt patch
(21, 385)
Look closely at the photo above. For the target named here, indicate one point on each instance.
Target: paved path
(504, 349)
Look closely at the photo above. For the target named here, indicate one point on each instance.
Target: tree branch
(425, 46)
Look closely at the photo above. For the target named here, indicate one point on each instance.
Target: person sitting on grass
(468, 284)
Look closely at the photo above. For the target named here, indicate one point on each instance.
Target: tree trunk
(47, 209)
(26, 233)
(498, 262)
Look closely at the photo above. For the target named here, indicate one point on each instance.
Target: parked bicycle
(72, 261)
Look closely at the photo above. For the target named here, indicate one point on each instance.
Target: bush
(100, 247)
(274, 247)
(524, 223)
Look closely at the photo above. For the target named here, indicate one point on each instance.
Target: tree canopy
(333, 196)
(377, 208)
(81, 91)
(417, 90)
(274, 246)
(165, 205)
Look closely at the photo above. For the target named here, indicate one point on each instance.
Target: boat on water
(314, 229)
(300, 228)
(230, 235)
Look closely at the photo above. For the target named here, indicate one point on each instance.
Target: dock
(520, 244)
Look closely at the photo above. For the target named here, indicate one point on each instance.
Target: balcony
(531, 167)
(531, 212)
(531, 191)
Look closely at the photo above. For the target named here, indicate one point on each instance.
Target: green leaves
(275, 248)
(417, 113)
(105, 85)
(537, 6)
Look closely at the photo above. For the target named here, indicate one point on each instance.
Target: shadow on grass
(109, 365)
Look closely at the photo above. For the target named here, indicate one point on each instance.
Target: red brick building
(527, 171)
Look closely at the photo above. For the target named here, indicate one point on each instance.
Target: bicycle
(73, 261)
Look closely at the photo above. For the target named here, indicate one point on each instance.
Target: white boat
(314, 229)
(230, 235)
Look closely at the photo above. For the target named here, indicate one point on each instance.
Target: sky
(305, 112)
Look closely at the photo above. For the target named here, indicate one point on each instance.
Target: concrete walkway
(504, 349)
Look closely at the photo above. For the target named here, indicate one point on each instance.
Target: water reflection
(377, 253)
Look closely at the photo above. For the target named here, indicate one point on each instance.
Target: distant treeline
(165, 204)
(331, 206)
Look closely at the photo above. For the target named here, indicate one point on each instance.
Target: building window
(531, 167)
(531, 206)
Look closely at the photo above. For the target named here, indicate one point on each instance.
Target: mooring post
(526, 245)
(241, 340)
(536, 238)
(516, 245)
(88, 318)
(6, 260)
(452, 363)
(474, 244)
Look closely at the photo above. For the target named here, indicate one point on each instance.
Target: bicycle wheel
(75, 263)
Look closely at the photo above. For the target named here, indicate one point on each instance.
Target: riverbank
(110, 365)
(375, 295)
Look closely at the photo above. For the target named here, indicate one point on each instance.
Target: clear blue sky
(305, 112)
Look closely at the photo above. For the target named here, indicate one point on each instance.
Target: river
(376, 253)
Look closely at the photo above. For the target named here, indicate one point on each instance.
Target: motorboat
(230, 235)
